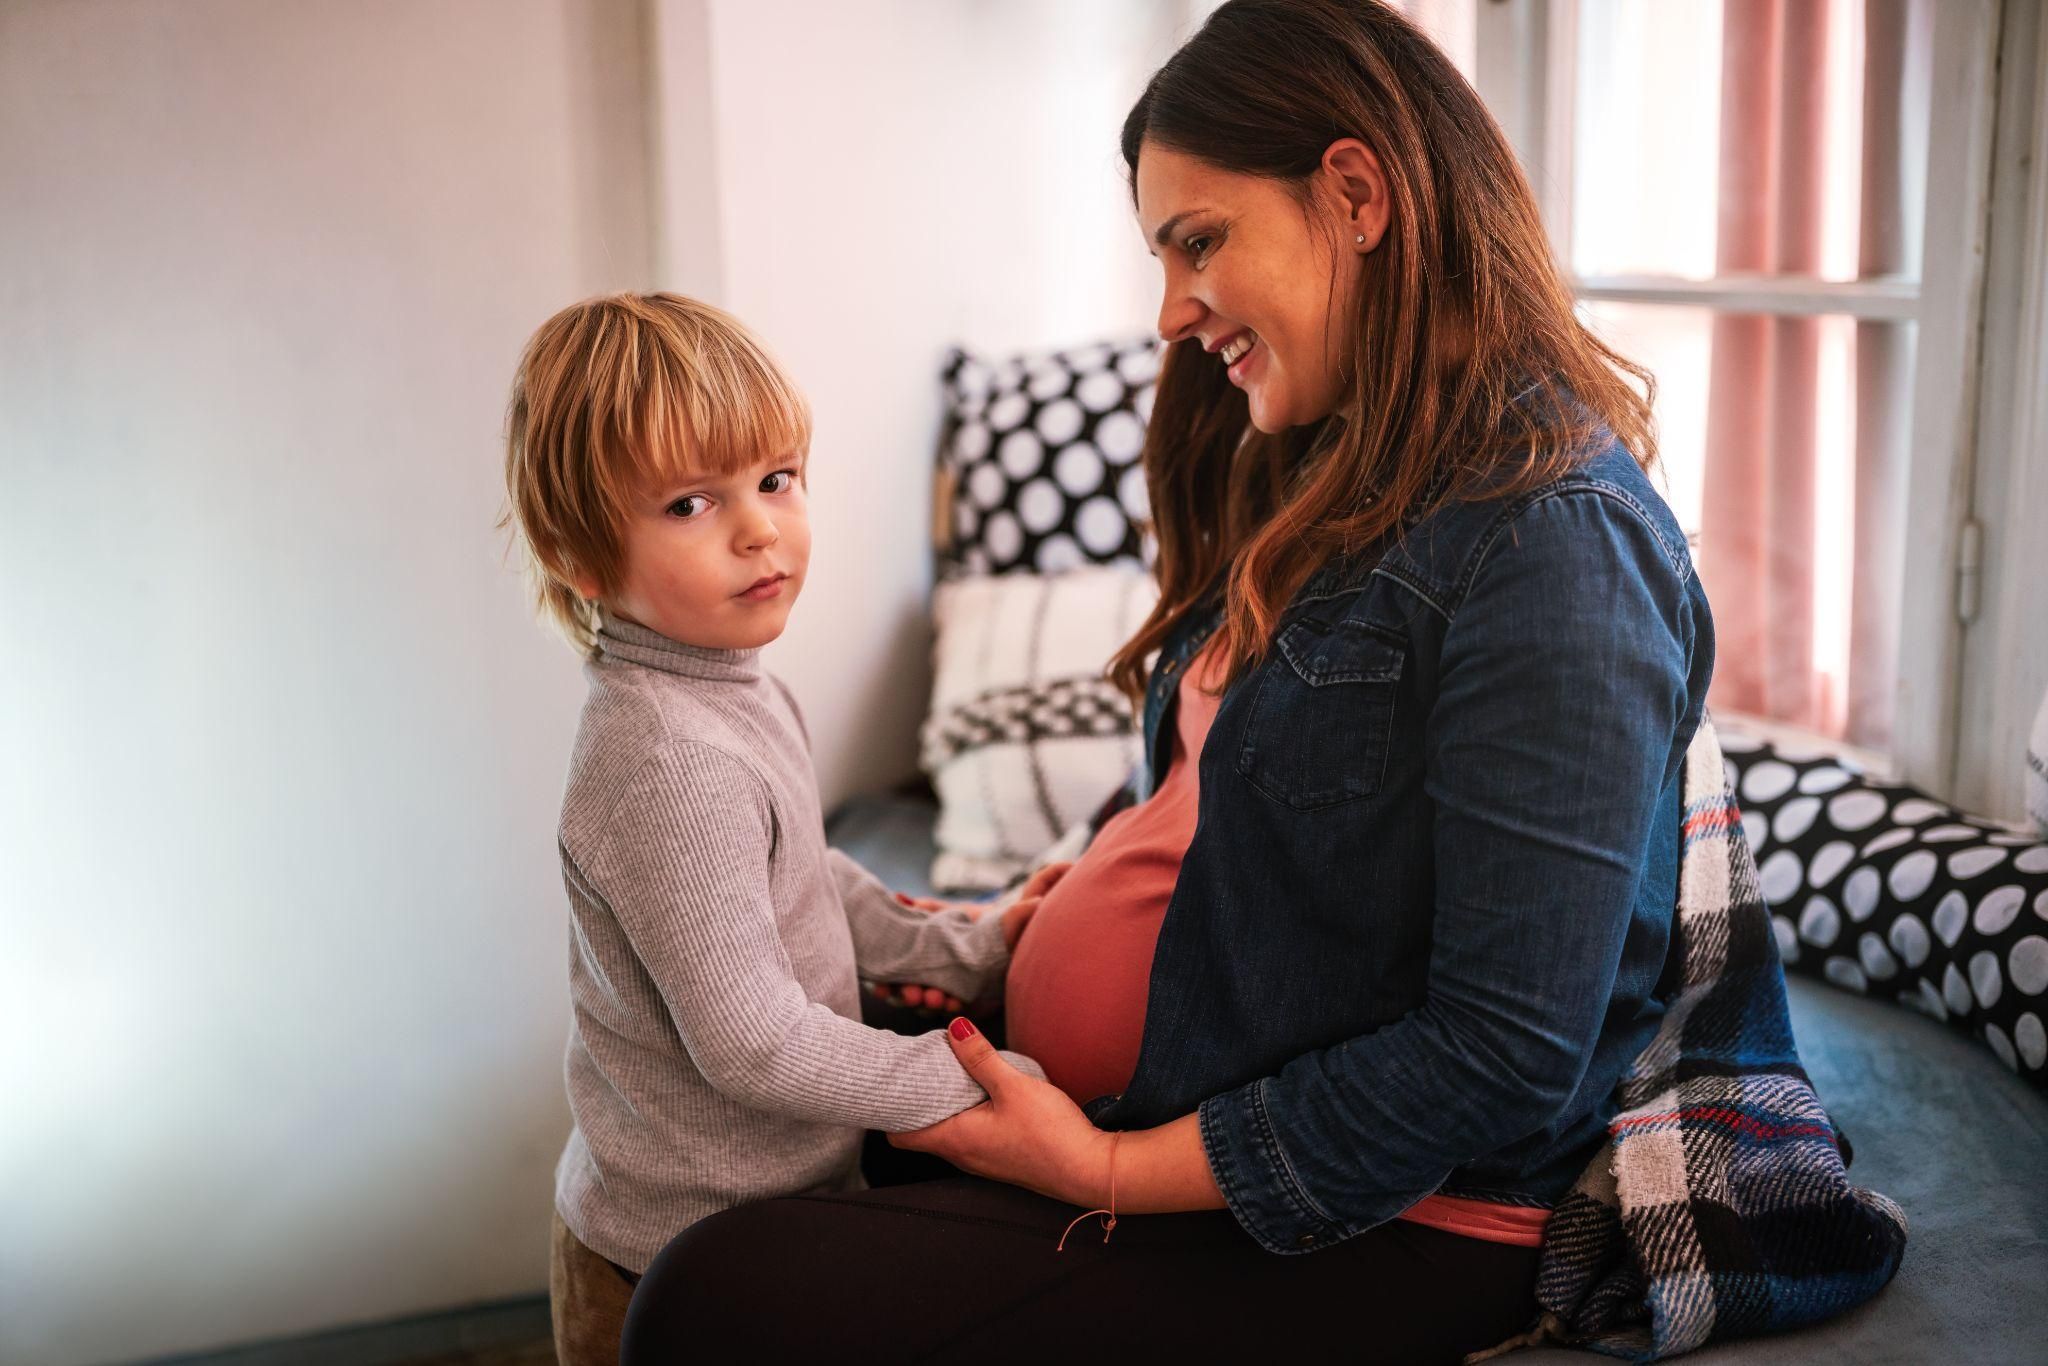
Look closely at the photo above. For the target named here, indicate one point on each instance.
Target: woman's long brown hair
(1471, 374)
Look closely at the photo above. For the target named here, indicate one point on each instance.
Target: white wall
(281, 936)
(895, 176)
(282, 985)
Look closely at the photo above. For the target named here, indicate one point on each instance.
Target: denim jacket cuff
(1256, 1179)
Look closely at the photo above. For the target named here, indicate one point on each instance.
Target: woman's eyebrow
(1166, 229)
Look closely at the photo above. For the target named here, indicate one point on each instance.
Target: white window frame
(2005, 642)
(1523, 69)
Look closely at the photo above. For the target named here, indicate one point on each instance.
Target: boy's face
(717, 561)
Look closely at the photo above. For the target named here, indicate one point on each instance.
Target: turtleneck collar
(618, 638)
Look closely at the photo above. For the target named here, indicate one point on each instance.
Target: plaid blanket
(1720, 1206)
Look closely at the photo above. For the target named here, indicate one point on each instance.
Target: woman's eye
(688, 506)
(1198, 248)
(779, 482)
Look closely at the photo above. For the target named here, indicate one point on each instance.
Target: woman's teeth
(1234, 350)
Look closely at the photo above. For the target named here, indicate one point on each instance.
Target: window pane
(1728, 137)
(1643, 202)
(1676, 345)
(1782, 451)
(1743, 138)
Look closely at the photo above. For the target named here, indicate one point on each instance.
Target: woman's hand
(1041, 883)
(1027, 1132)
(1034, 889)
(971, 909)
(917, 997)
(1029, 897)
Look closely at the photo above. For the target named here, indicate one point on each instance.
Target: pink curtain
(1895, 44)
(1757, 551)
(1757, 531)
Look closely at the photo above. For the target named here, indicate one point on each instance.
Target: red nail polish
(962, 1028)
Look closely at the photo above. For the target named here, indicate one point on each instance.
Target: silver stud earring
(1360, 239)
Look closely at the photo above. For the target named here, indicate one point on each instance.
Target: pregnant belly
(1075, 996)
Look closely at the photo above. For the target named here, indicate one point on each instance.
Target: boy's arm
(896, 943)
(683, 866)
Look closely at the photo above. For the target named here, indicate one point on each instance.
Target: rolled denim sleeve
(1563, 689)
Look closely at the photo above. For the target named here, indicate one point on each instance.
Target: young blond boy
(655, 464)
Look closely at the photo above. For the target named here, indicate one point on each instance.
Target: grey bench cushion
(890, 836)
(1937, 1125)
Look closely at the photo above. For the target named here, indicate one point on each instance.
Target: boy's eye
(688, 506)
(779, 482)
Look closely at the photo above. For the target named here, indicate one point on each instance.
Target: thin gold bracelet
(1109, 1224)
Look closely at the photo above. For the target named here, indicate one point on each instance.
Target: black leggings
(963, 1270)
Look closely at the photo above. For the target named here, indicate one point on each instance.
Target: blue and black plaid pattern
(1720, 1206)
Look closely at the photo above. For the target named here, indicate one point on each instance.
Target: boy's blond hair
(614, 397)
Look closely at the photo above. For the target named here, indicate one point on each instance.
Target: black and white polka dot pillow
(1042, 453)
(1878, 888)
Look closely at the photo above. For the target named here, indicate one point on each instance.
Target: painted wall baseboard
(501, 1323)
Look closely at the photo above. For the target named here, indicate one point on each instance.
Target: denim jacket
(1418, 935)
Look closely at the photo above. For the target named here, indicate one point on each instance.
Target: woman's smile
(1240, 354)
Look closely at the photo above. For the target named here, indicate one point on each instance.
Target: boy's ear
(586, 587)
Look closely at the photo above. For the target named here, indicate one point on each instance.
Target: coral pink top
(1078, 983)
(1075, 995)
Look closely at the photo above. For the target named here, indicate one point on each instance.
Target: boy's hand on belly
(1015, 919)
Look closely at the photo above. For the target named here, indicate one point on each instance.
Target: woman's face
(1266, 282)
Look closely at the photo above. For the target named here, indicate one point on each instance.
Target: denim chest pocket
(1322, 718)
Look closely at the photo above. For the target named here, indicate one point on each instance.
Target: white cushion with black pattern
(1880, 889)
(1025, 738)
(1041, 457)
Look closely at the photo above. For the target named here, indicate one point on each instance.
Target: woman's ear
(1352, 172)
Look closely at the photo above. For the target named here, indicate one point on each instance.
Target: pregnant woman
(1336, 1012)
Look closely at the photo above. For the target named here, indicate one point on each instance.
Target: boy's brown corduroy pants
(587, 1297)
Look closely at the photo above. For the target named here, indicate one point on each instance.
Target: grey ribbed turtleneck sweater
(716, 1053)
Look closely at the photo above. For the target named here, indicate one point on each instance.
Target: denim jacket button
(1305, 1240)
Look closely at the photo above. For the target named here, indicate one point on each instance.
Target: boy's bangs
(728, 416)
